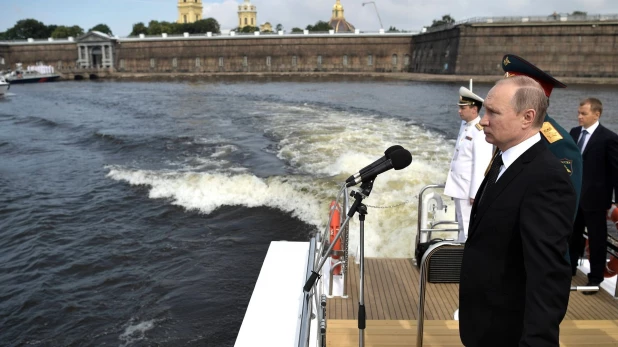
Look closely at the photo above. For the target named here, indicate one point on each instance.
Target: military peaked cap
(517, 66)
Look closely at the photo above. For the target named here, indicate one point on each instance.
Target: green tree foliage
(579, 13)
(319, 26)
(446, 19)
(65, 31)
(102, 28)
(279, 27)
(29, 28)
(157, 28)
(248, 29)
(393, 29)
(297, 30)
(205, 25)
(139, 28)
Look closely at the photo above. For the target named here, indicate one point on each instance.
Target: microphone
(399, 159)
(387, 155)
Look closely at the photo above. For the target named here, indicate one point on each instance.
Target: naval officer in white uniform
(470, 160)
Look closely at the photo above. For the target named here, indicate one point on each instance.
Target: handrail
(423, 280)
(306, 311)
(419, 209)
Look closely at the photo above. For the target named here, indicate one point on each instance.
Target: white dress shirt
(511, 154)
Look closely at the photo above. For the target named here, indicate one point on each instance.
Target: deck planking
(392, 293)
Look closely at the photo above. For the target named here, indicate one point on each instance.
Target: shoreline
(393, 76)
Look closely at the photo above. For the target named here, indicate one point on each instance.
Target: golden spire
(337, 10)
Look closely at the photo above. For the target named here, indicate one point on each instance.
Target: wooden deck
(391, 304)
(400, 333)
(391, 293)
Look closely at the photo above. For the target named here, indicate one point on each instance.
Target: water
(138, 214)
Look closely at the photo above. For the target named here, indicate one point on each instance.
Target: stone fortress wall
(571, 49)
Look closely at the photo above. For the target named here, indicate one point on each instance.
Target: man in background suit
(599, 148)
(515, 280)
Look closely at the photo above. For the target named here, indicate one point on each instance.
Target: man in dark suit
(515, 280)
(599, 148)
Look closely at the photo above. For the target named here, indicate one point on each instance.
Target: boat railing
(451, 249)
(425, 234)
(306, 311)
(343, 201)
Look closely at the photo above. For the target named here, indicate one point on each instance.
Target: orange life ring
(612, 214)
(335, 225)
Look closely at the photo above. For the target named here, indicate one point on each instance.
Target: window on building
(175, 62)
(406, 60)
(370, 60)
(345, 60)
(152, 62)
(244, 61)
(2, 61)
(394, 59)
(220, 61)
(319, 60)
(185, 17)
(294, 60)
(196, 19)
(251, 21)
(245, 21)
(268, 61)
(198, 62)
(59, 64)
(122, 63)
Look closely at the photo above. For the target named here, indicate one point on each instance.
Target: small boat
(33, 74)
(4, 85)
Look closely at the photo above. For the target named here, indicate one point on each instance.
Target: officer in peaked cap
(471, 157)
(559, 141)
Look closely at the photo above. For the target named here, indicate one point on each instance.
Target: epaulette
(551, 134)
(478, 127)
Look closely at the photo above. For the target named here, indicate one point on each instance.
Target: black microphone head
(390, 150)
(401, 158)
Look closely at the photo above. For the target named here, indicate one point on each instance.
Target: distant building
(266, 27)
(337, 21)
(247, 15)
(189, 11)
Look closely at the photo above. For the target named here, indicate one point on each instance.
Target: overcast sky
(120, 15)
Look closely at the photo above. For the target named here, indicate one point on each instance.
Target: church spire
(337, 10)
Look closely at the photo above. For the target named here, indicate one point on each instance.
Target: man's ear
(528, 118)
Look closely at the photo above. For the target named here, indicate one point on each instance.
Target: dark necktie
(582, 140)
(492, 175)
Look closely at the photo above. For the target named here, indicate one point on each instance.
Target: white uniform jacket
(470, 160)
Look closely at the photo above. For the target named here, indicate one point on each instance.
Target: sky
(120, 15)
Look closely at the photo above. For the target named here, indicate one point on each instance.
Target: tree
(446, 19)
(28, 28)
(579, 13)
(206, 25)
(297, 30)
(247, 29)
(139, 28)
(65, 31)
(102, 28)
(319, 26)
(279, 27)
(393, 30)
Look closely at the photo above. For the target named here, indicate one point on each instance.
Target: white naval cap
(466, 97)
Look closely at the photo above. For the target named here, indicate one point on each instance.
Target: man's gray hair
(529, 95)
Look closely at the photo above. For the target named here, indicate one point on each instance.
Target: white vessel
(4, 85)
(33, 74)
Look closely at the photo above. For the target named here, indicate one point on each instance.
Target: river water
(139, 213)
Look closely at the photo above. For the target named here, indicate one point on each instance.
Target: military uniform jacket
(470, 160)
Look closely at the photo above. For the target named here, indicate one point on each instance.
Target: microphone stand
(361, 208)
(358, 206)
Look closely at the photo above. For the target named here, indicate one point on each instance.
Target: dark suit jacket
(515, 280)
(600, 168)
